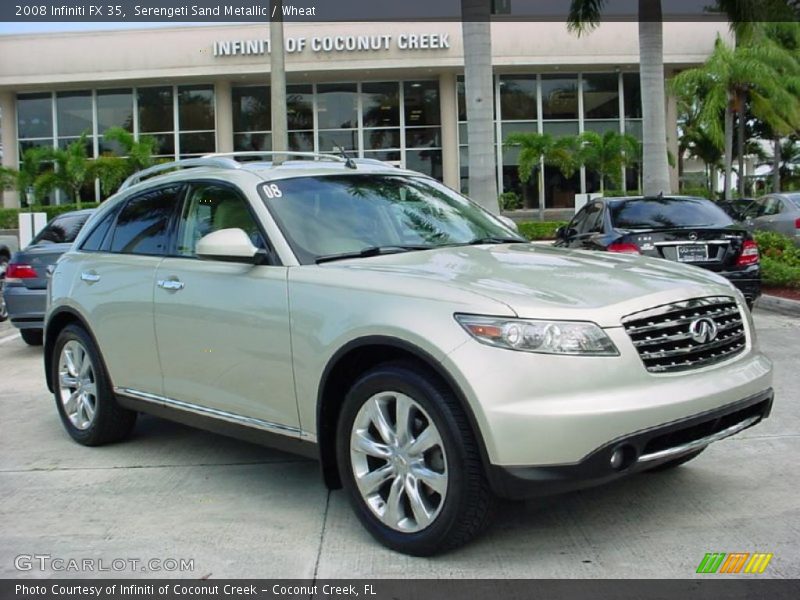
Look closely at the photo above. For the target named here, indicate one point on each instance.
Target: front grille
(669, 338)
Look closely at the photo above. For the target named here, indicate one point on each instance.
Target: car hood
(544, 282)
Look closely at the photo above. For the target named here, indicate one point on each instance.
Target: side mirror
(229, 245)
(561, 233)
(508, 222)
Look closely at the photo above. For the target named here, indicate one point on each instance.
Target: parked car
(372, 318)
(737, 208)
(25, 289)
(776, 212)
(688, 230)
(8, 245)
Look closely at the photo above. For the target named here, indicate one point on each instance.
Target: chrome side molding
(205, 411)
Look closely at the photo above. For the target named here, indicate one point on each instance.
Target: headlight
(545, 337)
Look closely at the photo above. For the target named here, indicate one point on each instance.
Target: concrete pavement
(239, 510)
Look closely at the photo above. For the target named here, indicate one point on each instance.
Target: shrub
(535, 230)
(509, 201)
(780, 260)
(9, 219)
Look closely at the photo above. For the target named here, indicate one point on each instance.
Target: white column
(449, 109)
(223, 109)
(672, 138)
(8, 137)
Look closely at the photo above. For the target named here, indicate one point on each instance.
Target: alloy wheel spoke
(68, 381)
(394, 513)
(70, 406)
(86, 365)
(69, 359)
(378, 418)
(362, 443)
(88, 408)
(422, 515)
(436, 481)
(90, 389)
(426, 440)
(403, 416)
(370, 482)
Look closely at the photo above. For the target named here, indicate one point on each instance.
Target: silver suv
(370, 317)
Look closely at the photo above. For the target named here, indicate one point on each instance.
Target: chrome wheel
(77, 387)
(399, 462)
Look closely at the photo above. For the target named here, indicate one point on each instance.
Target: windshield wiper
(369, 251)
(494, 240)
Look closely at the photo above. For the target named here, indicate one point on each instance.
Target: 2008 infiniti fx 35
(415, 344)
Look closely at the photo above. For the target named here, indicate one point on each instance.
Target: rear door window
(144, 224)
(62, 230)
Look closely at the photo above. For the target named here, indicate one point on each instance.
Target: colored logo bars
(735, 562)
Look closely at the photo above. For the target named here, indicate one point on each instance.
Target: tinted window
(794, 199)
(210, 208)
(62, 230)
(94, 241)
(143, 225)
(665, 213)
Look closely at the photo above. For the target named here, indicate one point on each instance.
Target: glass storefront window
(381, 104)
(195, 108)
(244, 142)
(330, 140)
(300, 107)
(560, 128)
(424, 137)
(155, 109)
(601, 95)
(35, 116)
(632, 95)
(74, 114)
(197, 143)
(421, 99)
(559, 97)
(601, 126)
(425, 161)
(376, 139)
(251, 108)
(517, 97)
(337, 106)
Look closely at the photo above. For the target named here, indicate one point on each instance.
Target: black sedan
(689, 230)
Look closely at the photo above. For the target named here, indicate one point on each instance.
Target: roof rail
(205, 161)
(268, 154)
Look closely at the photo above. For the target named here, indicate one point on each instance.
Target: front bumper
(641, 451)
(26, 307)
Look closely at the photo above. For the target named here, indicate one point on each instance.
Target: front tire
(410, 463)
(32, 337)
(83, 393)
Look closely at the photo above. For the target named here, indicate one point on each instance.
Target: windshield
(340, 214)
(62, 230)
(667, 213)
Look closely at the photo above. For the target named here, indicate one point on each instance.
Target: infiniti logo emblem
(703, 330)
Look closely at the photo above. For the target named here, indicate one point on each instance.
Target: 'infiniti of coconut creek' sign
(337, 43)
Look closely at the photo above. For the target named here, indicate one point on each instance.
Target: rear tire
(418, 488)
(677, 462)
(3, 307)
(32, 337)
(83, 393)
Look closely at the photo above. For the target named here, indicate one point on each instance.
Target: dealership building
(391, 91)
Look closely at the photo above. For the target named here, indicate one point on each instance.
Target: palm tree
(761, 73)
(24, 179)
(607, 154)
(538, 149)
(70, 170)
(584, 15)
(136, 155)
(479, 88)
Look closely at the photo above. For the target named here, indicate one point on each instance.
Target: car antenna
(349, 162)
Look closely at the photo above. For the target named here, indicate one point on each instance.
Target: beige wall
(65, 59)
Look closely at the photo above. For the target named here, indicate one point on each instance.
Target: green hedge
(536, 230)
(9, 219)
(780, 260)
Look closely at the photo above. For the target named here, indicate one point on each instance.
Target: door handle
(90, 277)
(173, 285)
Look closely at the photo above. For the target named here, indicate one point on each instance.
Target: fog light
(618, 458)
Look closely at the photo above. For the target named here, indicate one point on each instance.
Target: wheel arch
(342, 371)
(57, 321)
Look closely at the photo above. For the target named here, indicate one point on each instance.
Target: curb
(779, 305)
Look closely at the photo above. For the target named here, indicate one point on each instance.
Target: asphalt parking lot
(240, 510)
